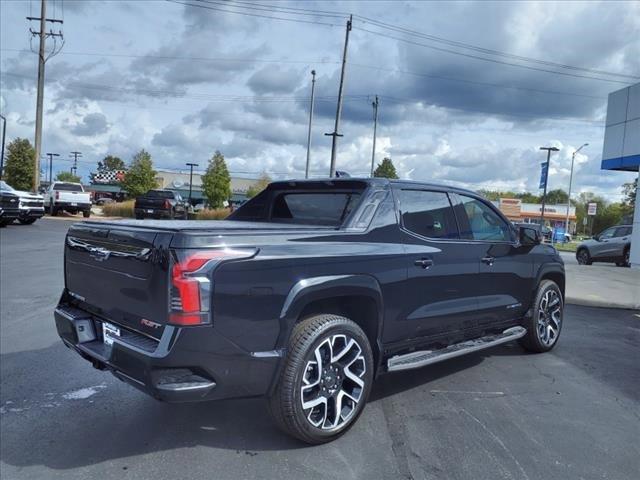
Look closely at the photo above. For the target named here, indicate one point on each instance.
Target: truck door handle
(488, 260)
(424, 263)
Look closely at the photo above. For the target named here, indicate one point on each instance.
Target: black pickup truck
(160, 204)
(305, 294)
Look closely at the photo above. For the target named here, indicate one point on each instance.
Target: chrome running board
(427, 357)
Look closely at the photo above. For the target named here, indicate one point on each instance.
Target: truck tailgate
(120, 274)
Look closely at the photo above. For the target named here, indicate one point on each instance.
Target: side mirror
(596, 238)
(528, 236)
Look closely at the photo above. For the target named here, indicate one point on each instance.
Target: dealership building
(621, 150)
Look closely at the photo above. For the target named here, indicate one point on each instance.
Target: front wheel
(583, 257)
(325, 381)
(544, 326)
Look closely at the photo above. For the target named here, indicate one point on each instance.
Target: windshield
(68, 187)
(5, 187)
(325, 206)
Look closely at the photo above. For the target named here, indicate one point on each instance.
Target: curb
(584, 302)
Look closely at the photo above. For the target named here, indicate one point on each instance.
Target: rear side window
(622, 231)
(314, 208)
(68, 187)
(478, 221)
(428, 214)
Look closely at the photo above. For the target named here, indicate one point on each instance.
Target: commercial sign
(592, 208)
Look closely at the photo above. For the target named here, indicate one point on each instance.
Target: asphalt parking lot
(573, 413)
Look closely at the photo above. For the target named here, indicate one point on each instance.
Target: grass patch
(566, 247)
(213, 214)
(119, 209)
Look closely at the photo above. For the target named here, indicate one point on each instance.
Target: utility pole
(573, 157)
(313, 87)
(4, 134)
(42, 58)
(375, 126)
(74, 169)
(191, 165)
(335, 134)
(51, 155)
(546, 178)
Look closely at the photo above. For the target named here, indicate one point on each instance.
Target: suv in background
(611, 245)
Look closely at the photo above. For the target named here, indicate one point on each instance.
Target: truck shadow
(51, 424)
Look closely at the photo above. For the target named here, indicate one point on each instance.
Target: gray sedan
(611, 245)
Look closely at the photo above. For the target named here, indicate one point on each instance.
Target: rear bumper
(69, 206)
(185, 365)
(155, 213)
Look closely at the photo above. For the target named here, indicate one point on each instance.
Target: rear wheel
(583, 257)
(626, 258)
(86, 213)
(325, 381)
(544, 326)
(53, 210)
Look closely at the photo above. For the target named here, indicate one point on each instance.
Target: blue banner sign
(543, 174)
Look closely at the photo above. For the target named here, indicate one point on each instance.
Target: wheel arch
(357, 297)
(556, 275)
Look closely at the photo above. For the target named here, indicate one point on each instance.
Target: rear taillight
(57, 195)
(167, 204)
(190, 294)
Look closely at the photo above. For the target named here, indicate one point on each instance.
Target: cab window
(428, 213)
(478, 221)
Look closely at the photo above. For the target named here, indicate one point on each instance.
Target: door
(505, 280)
(439, 300)
(605, 246)
(619, 241)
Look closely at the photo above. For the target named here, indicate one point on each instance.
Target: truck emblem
(99, 254)
(149, 323)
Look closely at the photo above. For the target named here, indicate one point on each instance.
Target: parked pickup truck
(69, 197)
(160, 204)
(305, 294)
(9, 207)
(30, 205)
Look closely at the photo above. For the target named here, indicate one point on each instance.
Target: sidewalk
(603, 286)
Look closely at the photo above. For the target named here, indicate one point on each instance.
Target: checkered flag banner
(110, 176)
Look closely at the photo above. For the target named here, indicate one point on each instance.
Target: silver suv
(612, 245)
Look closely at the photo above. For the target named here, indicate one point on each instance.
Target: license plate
(74, 204)
(109, 332)
(149, 211)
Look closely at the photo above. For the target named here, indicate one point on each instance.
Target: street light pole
(4, 134)
(191, 165)
(375, 127)
(313, 87)
(573, 157)
(51, 155)
(546, 179)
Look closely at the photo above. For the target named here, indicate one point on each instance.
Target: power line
(488, 51)
(493, 60)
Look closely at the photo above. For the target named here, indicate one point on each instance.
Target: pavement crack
(398, 434)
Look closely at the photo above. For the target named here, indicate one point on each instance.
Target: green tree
(216, 182)
(629, 190)
(260, 185)
(557, 196)
(140, 177)
(67, 177)
(110, 163)
(19, 168)
(385, 169)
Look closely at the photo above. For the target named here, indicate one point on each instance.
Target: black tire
(27, 221)
(285, 405)
(4, 223)
(86, 213)
(626, 257)
(583, 257)
(534, 340)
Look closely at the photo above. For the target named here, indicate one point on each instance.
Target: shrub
(213, 214)
(119, 209)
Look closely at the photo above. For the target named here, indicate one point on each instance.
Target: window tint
(68, 187)
(314, 208)
(478, 221)
(428, 214)
(608, 233)
(159, 194)
(622, 231)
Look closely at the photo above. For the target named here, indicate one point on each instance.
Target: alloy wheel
(583, 257)
(627, 258)
(549, 317)
(333, 382)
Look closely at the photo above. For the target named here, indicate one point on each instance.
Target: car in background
(30, 205)
(9, 209)
(105, 201)
(68, 196)
(611, 245)
(161, 204)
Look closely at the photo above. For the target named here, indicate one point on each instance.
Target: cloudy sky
(467, 93)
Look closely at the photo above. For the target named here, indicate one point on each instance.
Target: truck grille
(32, 203)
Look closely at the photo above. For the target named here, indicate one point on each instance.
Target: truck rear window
(68, 187)
(314, 208)
(159, 194)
